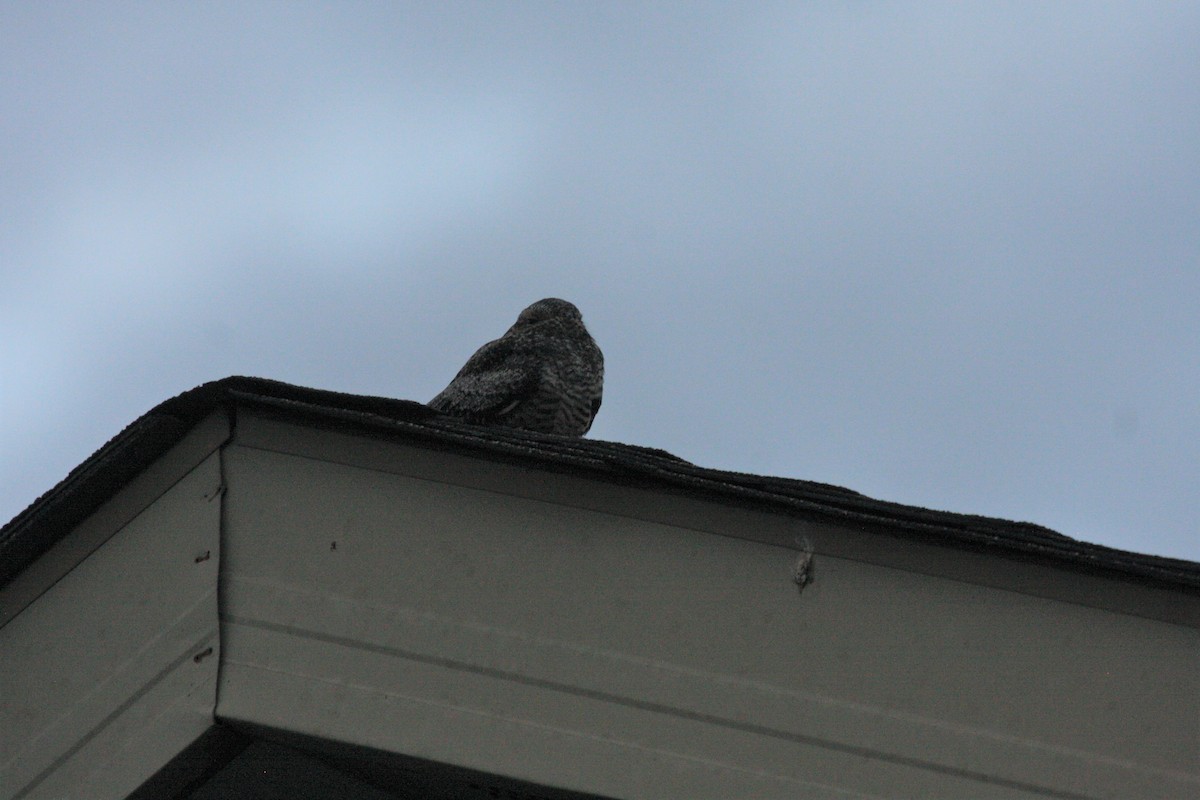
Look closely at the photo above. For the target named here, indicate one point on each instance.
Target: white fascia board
(110, 661)
(574, 641)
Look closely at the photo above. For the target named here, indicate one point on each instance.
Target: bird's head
(551, 308)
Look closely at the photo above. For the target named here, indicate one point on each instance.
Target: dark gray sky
(946, 255)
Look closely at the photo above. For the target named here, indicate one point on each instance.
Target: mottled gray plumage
(545, 374)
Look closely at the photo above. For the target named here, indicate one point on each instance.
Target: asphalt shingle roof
(51, 516)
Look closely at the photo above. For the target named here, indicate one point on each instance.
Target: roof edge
(85, 488)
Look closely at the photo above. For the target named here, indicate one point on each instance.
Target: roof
(52, 515)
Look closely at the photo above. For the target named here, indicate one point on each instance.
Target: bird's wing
(491, 384)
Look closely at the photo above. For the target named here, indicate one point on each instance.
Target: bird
(545, 374)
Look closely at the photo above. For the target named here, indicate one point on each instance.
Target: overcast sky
(946, 255)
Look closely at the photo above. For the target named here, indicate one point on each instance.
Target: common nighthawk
(545, 374)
